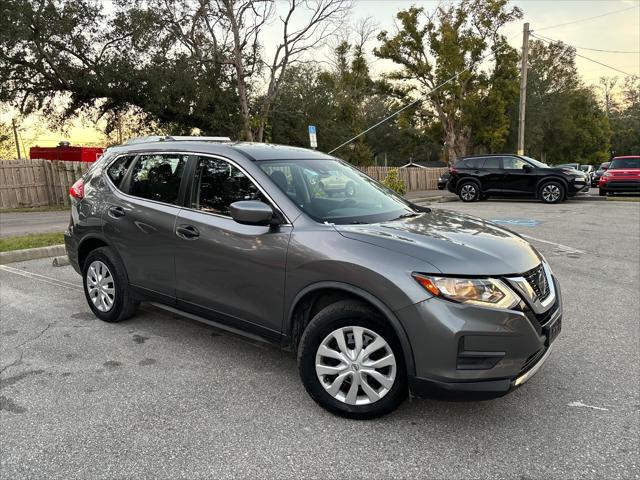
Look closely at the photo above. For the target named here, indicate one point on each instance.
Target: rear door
(140, 216)
(226, 270)
(493, 174)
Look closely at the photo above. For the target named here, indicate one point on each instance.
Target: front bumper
(621, 186)
(467, 352)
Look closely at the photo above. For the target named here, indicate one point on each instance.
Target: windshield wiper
(407, 215)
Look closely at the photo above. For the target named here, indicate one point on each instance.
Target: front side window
(513, 163)
(118, 169)
(218, 184)
(157, 177)
(333, 191)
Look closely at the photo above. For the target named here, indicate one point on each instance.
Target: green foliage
(393, 182)
(625, 120)
(431, 49)
(564, 122)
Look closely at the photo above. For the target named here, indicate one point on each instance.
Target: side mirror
(527, 168)
(251, 212)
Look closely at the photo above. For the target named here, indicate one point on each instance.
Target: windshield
(536, 163)
(622, 163)
(335, 192)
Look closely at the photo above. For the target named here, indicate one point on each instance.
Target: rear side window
(218, 184)
(157, 177)
(118, 169)
(492, 162)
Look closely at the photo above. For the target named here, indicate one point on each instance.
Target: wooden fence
(37, 183)
(414, 178)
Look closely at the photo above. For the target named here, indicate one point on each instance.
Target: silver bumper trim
(533, 370)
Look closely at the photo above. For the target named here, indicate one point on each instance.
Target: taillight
(77, 190)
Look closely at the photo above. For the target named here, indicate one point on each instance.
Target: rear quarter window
(118, 169)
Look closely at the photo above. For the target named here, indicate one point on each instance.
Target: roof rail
(175, 138)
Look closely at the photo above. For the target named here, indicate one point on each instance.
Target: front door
(519, 177)
(140, 216)
(230, 271)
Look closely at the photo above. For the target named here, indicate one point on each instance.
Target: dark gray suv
(378, 297)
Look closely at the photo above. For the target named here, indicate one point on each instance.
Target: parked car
(588, 169)
(443, 180)
(598, 173)
(333, 182)
(377, 296)
(479, 177)
(623, 175)
(575, 166)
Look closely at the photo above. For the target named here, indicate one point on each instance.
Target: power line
(586, 58)
(438, 87)
(586, 48)
(588, 18)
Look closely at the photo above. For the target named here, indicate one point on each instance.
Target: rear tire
(106, 286)
(344, 330)
(469, 191)
(552, 192)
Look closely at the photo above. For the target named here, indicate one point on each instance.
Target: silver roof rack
(175, 138)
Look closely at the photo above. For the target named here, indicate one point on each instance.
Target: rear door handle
(187, 232)
(116, 212)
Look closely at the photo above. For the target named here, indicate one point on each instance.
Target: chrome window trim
(522, 286)
(191, 153)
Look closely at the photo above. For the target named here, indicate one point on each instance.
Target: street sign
(313, 140)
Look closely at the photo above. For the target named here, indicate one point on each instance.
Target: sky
(566, 20)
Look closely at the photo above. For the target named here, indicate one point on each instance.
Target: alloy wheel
(101, 286)
(468, 192)
(355, 365)
(551, 193)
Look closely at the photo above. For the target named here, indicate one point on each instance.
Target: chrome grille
(537, 278)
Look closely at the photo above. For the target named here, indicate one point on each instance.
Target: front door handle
(187, 232)
(116, 212)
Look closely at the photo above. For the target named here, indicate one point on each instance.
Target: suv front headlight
(487, 292)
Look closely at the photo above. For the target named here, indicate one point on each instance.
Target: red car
(623, 175)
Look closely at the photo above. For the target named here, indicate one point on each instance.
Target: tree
(157, 59)
(625, 120)
(565, 122)
(451, 42)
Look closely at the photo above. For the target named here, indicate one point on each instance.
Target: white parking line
(41, 278)
(560, 246)
(584, 405)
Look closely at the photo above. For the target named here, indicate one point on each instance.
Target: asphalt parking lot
(159, 396)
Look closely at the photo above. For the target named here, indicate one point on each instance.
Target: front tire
(602, 193)
(351, 362)
(106, 286)
(469, 191)
(552, 192)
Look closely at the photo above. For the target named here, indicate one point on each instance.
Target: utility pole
(523, 88)
(15, 136)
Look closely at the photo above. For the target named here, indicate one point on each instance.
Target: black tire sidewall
(121, 305)
(563, 191)
(322, 325)
(475, 185)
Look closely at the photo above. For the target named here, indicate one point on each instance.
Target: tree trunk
(245, 133)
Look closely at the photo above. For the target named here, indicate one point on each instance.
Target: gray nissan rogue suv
(379, 297)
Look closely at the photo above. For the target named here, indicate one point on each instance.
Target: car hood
(455, 244)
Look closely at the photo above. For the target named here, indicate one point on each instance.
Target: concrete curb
(437, 199)
(31, 254)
